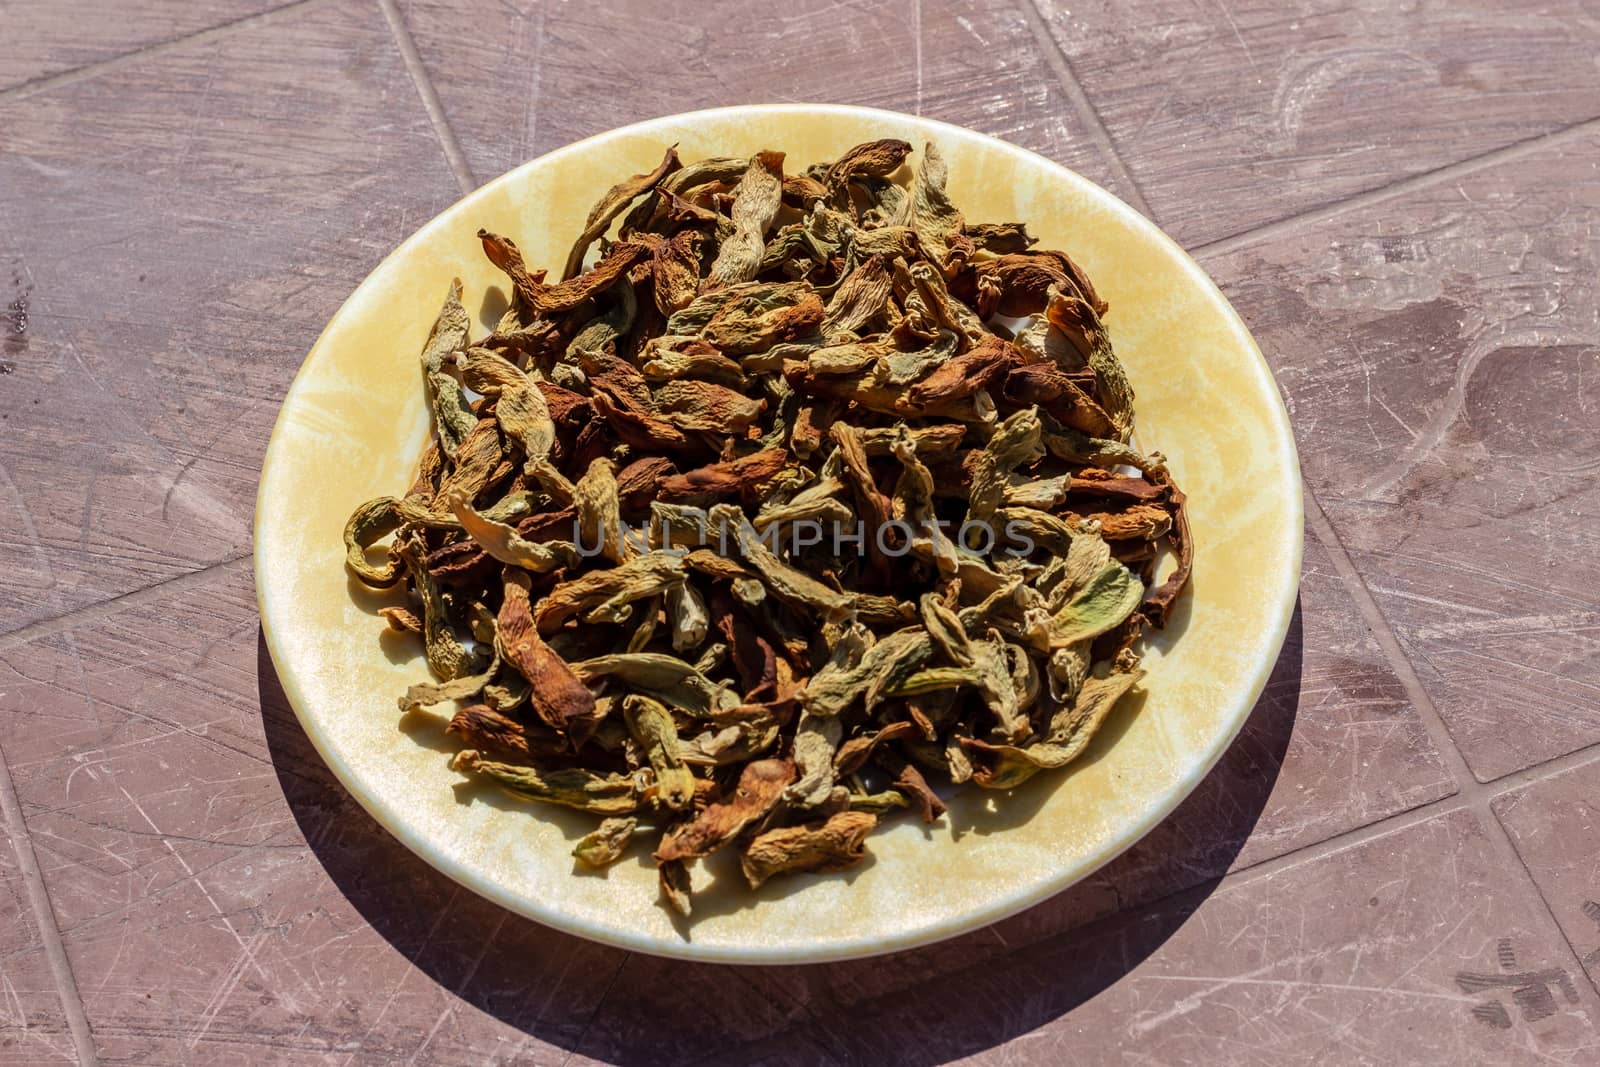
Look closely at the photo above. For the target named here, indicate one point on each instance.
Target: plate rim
(1243, 702)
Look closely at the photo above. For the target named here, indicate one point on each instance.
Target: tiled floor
(1396, 862)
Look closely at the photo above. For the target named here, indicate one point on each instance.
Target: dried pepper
(762, 527)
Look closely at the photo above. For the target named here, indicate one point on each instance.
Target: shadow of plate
(1040, 964)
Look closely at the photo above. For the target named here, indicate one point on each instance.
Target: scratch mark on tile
(916, 37)
(411, 966)
(489, 942)
(247, 952)
(1222, 982)
(1249, 56)
(225, 988)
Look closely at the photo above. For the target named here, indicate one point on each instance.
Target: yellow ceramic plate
(354, 424)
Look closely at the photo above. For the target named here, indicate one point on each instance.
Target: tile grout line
(44, 918)
(1400, 820)
(533, 106)
(412, 58)
(1427, 179)
(1503, 837)
(1540, 772)
(1477, 796)
(1466, 782)
(22, 635)
(117, 62)
(1343, 841)
(583, 1035)
(1061, 66)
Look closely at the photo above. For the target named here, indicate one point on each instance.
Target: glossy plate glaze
(354, 424)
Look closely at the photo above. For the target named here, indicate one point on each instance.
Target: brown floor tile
(46, 39)
(1357, 752)
(32, 1026)
(220, 896)
(1234, 115)
(1418, 947)
(531, 77)
(180, 228)
(1439, 354)
(670, 1012)
(1555, 825)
